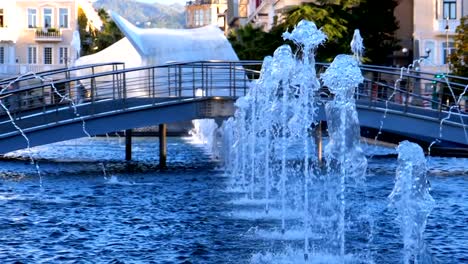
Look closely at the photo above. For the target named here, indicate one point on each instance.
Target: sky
(182, 2)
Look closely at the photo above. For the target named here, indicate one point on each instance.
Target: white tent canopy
(114, 53)
(157, 46)
(161, 45)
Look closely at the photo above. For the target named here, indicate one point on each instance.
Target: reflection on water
(139, 214)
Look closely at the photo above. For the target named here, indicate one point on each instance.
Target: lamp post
(447, 46)
(417, 68)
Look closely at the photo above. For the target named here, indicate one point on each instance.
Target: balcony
(49, 35)
(237, 10)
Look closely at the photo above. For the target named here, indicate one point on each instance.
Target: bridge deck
(60, 105)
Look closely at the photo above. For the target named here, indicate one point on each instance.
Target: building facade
(262, 13)
(36, 35)
(435, 22)
(201, 13)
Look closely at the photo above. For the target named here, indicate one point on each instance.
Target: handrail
(181, 75)
(106, 73)
(31, 76)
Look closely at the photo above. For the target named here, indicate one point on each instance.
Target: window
(197, 18)
(2, 18)
(32, 15)
(47, 17)
(207, 17)
(63, 55)
(63, 16)
(450, 9)
(47, 55)
(32, 55)
(447, 50)
(201, 13)
(2, 55)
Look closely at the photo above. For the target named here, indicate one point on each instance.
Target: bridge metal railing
(92, 89)
(442, 96)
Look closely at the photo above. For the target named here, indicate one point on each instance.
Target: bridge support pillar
(318, 141)
(128, 144)
(162, 145)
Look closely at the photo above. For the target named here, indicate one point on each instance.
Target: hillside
(160, 15)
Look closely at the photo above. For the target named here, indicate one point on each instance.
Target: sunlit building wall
(201, 13)
(36, 35)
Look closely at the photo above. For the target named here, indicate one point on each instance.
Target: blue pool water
(95, 208)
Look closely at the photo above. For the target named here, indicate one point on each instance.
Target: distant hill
(160, 15)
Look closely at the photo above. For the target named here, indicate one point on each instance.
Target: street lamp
(427, 54)
(417, 89)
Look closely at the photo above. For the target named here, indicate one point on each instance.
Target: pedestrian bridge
(63, 104)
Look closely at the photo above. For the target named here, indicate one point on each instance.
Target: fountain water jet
(269, 140)
(278, 114)
(412, 201)
(345, 159)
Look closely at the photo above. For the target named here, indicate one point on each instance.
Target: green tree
(93, 40)
(109, 34)
(338, 19)
(459, 59)
(247, 42)
(333, 17)
(87, 35)
(377, 23)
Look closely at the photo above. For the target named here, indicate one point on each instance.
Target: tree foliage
(377, 23)
(94, 40)
(459, 59)
(252, 43)
(338, 19)
(109, 33)
(87, 35)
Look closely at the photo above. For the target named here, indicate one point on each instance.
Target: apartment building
(201, 13)
(36, 35)
(435, 22)
(260, 12)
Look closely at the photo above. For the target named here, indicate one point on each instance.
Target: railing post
(245, 77)
(441, 97)
(113, 82)
(211, 81)
(93, 84)
(169, 80)
(124, 88)
(68, 86)
(231, 93)
(234, 78)
(180, 80)
(128, 144)
(407, 94)
(207, 87)
(153, 82)
(148, 73)
(162, 146)
(43, 99)
(203, 78)
(193, 81)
